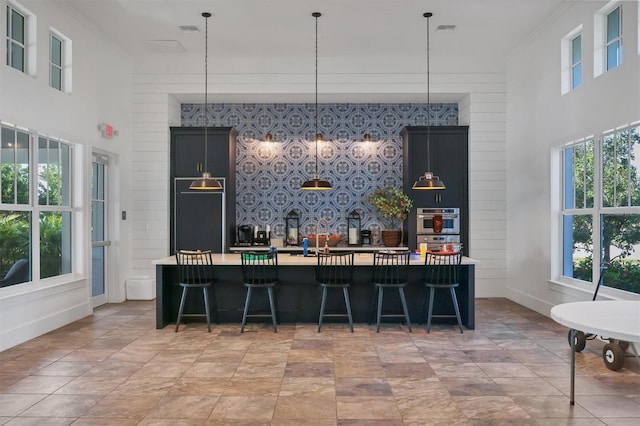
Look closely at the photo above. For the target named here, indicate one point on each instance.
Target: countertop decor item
(316, 183)
(428, 180)
(394, 206)
(206, 182)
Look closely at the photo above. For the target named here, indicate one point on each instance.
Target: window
(59, 61)
(15, 211)
(55, 207)
(614, 38)
(16, 39)
(55, 62)
(44, 218)
(601, 209)
(571, 60)
(576, 62)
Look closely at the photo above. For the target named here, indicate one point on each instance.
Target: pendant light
(428, 180)
(206, 182)
(316, 184)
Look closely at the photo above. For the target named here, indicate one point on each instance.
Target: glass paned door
(99, 239)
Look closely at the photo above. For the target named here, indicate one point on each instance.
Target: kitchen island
(298, 295)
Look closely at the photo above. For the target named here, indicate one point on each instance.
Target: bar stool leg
(324, 298)
(455, 305)
(431, 293)
(273, 309)
(182, 300)
(246, 309)
(404, 307)
(380, 296)
(205, 294)
(345, 291)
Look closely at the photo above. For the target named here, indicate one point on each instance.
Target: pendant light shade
(206, 182)
(428, 180)
(316, 184)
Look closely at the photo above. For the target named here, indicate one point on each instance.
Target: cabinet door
(198, 220)
(187, 154)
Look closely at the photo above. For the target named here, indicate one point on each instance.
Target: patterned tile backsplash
(269, 175)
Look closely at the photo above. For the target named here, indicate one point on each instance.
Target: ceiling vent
(189, 28)
(448, 27)
(164, 46)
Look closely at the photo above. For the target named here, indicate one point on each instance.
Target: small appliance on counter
(244, 236)
(365, 237)
(262, 238)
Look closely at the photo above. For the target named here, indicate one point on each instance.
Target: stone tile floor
(115, 368)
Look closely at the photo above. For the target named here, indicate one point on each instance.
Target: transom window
(576, 61)
(614, 38)
(16, 39)
(55, 62)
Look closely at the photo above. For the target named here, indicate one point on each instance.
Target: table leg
(572, 400)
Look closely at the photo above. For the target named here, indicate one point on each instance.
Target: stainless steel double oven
(438, 226)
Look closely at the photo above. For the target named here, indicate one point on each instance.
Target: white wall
(101, 93)
(539, 118)
(157, 108)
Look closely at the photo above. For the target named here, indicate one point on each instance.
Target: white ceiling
(351, 32)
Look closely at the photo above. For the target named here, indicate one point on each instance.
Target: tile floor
(115, 368)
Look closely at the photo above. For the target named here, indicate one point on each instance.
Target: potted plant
(394, 206)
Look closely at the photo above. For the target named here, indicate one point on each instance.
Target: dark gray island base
(298, 296)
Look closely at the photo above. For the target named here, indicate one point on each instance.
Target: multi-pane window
(601, 210)
(54, 184)
(15, 207)
(578, 209)
(614, 38)
(16, 37)
(55, 62)
(576, 61)
(35, 226)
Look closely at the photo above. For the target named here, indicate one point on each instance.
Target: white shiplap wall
(482, 108)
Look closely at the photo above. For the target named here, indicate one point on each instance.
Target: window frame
(12, 42)
(574, 65)
(56, 66)
(36, 210)
(618, 39)
(597, 211)
(566, 60)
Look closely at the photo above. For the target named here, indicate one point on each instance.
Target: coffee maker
(244, 236)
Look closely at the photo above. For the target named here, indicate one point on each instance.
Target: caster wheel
(580, 338)
(613, 356)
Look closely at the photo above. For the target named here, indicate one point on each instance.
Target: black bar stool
(259, 270)
(195, 270)
(390, 270)
(442, 271)
(335, 270)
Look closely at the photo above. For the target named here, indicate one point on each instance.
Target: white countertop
(285, 259)
(289, 249)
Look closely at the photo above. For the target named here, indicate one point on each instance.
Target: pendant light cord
(206, 85)
(316, 15)
(428, 15)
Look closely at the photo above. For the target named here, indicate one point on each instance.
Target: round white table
(613, 319)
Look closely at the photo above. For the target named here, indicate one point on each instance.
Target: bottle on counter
(305, 246)
(325, 250)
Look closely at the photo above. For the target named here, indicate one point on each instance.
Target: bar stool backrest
(335, 268)
(391, 268)
(442, 268)
(259, 267)
(195, 267)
